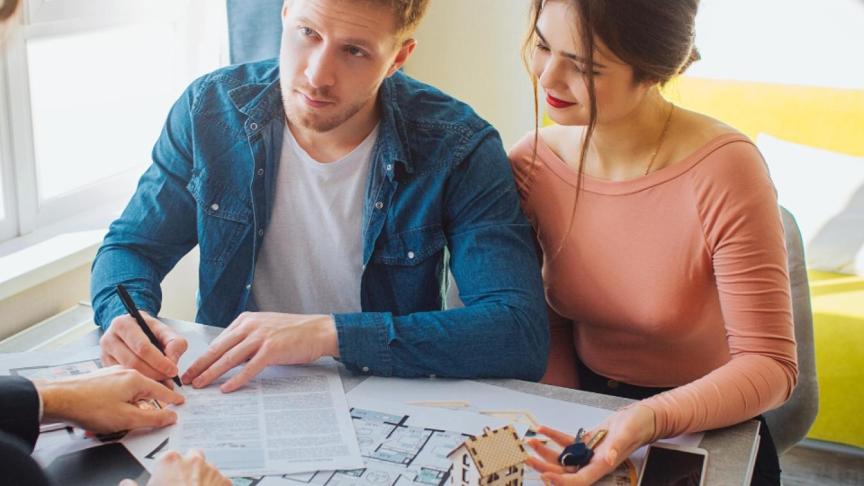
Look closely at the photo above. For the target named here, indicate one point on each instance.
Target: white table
(729, 449)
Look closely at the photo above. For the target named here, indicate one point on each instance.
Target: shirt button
(379, 205)
(389, 167)
(365, 369)
(260, 172)
(253, 126)
(248, 286)
(214, 207)
(410, 255)
(260, 232)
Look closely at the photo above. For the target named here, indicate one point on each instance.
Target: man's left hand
(263, 339)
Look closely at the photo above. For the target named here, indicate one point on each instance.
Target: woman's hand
(628, 429)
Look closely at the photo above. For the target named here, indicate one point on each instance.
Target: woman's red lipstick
(556, 103)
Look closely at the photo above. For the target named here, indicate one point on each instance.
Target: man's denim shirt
(440, 194)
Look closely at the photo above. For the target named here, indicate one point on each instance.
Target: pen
(129, 304)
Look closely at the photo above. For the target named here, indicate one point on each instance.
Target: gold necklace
(660, 140)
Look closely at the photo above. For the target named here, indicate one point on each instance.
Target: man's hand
(264, 339)
(189, 470)
(104, 401)
(629, 429)
(126, 344)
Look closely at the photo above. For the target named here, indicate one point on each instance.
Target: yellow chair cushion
(838, 321)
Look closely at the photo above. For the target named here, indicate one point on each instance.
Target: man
(101, 401)
(328, 194)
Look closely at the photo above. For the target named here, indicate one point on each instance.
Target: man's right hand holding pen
(124, 343)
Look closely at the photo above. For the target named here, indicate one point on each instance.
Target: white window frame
(9, 216)
(24, 211)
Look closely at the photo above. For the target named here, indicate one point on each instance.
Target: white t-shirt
(311, 258)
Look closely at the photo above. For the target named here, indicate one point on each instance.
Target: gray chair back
(790, 422)
(254, 29)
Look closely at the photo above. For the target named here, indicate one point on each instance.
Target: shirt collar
(262, 103)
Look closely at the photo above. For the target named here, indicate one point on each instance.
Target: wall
(471, 50)
(43, 301)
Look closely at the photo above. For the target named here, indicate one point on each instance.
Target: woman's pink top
(675, 279)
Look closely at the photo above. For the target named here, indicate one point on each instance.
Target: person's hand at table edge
(263, 339)
(105, 400)
(190, 470)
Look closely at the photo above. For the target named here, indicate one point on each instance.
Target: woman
(664, 254)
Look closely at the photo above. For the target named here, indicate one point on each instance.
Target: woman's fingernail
(611, 456)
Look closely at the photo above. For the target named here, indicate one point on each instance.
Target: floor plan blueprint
(396, 453)
(399, 447)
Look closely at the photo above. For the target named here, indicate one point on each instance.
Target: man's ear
(286, 5)
(402, 56)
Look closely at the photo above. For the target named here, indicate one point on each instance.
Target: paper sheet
(50, 364)
(565, 416)
(146, 445)
(288, 419)
(44, 364)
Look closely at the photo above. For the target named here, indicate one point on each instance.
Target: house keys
(579, 453)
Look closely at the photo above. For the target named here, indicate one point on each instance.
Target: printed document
(287, 420)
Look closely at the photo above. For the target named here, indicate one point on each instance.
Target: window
(89, 84)
(8, 225)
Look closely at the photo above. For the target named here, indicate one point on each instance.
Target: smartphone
(673, 465)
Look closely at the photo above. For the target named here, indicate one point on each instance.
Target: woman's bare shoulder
(695, 130)
(562, 139)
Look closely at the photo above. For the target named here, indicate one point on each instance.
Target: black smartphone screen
(667, 467)
(107, 464)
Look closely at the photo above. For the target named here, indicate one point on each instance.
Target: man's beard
(314, 121)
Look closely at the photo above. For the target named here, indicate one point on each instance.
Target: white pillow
(824, 190)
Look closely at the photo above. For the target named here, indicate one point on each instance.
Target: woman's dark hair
(7, 9)
(653, 37)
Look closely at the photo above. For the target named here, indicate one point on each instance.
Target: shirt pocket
(409, 267)
(411, 248)
(223, 218)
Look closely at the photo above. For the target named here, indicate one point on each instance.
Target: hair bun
(693, 57)
(7, 9)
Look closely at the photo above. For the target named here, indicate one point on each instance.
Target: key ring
(579, 453)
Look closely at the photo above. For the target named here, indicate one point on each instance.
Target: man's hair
(7, 8)
(408, 13)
